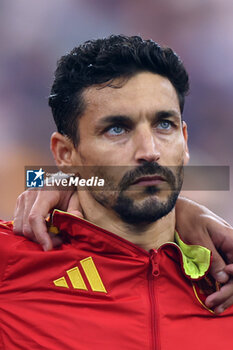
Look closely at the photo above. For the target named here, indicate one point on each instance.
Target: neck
(147, 236)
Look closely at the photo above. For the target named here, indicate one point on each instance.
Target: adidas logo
(77, 281)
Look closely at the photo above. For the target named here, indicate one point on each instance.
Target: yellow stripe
(76, 278)
(92, 275)
(61, 282)
(195, 292)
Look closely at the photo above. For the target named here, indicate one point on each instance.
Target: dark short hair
(102, 60)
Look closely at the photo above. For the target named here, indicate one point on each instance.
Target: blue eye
(165, 125)
(116, 130)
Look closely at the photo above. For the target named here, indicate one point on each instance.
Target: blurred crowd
(34, 34)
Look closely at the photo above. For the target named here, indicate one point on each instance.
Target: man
(123, 279)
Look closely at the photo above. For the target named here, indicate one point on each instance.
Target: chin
(147, 211)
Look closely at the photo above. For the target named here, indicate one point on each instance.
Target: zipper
(153, 273)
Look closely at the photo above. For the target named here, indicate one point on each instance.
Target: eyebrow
(168, 114)
(114, 119)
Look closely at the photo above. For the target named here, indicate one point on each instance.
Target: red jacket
(99, 291)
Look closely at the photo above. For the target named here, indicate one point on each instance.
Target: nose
(146, 146)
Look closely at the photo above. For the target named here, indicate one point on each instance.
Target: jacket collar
(194, 259)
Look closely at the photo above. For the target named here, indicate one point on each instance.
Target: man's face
(133, 137)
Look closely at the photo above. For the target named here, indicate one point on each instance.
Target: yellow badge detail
(77, 281)
(61, 282)
(76, 278)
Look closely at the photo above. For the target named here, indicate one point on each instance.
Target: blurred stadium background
(34, 34)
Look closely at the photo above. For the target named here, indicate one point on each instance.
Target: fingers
(44, 202)
(18, 217)
(56, 240)
(217, 268)
(229, 269)
(32, 208)
(223, 241)
(221, 300)
(27, 230)
(39, 228)
(25, 221)
(221, 233)
(23, 207)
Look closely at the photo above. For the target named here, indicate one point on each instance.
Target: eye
(116, 130)
(165, 125)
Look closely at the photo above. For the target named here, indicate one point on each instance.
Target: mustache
(148, 168)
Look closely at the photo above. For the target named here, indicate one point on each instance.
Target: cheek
(102, 153)
(173, 154)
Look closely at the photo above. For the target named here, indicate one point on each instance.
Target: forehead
(143, 92)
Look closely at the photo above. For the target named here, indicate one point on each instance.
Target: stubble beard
(149, 209)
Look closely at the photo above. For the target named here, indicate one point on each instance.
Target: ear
(62, 148)
(186, 150)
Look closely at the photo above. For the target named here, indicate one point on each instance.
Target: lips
(149, 180)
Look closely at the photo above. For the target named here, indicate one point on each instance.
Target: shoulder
(8, 239)
(11, 244)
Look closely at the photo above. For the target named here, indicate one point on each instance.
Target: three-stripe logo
(77, 280)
